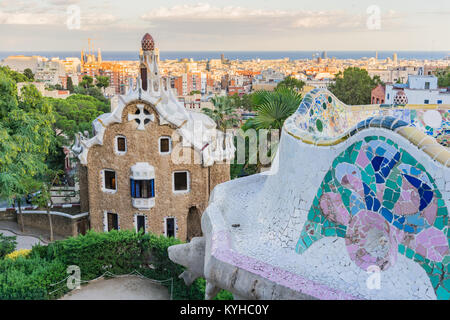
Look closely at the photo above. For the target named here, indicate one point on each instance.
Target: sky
(228, 25)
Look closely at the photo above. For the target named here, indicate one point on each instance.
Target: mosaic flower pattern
(383, 203)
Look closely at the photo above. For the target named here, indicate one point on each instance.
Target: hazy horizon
(232, 25)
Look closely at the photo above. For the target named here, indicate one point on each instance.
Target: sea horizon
(241, 54)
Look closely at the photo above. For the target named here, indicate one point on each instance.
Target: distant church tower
(99, 56)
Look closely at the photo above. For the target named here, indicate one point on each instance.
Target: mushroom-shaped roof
(148, 44)
(400, 98)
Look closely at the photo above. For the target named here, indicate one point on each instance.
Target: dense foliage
(443, 76)
(29, 278)
(274, 107)
(14, 75)
(26, 135)
(354, 86)
(7, 245)
(224, 113)
(119, 252)
(291, 83)
(242, 101)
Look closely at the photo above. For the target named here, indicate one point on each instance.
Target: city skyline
(225, 26)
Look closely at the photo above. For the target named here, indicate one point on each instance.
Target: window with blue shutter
(142, 188)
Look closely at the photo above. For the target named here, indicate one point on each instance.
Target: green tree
(91, 91)
(102, 82)
(443, 76)
(291, 83)
(87, 82)
(29, 74)
(244, 101)
(14, 75)
(72, 115)
(274, 107)
(69, 85)
(44, 197)
(224, 113)
(354, 86)
(25, 137)
(7, 245)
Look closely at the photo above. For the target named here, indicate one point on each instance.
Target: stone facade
(143, 146)
(127, 173)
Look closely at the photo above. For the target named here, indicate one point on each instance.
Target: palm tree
(224, 113)
(273, 108)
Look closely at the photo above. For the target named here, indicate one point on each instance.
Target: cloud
(279, 19)
(29, 18)
(89, 19)
(62, 2)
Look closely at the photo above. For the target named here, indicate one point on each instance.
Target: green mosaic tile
(391, 184)
(388, 194)
(328, 177)
(401, 248)
(446, 283)
(367, 139)
(316, 202)
(409, 253)
(366, 178)
(418, 258)
(442, 294)
(346, 198)
(421, 167)
(358, 145)
(354, 156)
(395, 196)
(442, 211)
(340, 233)
(439, 222)
(427, 268)
(406, 158)
(311, 214)
(308, 241)
(369, 170)
(319, 193)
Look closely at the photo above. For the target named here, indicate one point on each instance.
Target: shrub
(119, 252)
(95, 253)
(31, 278)
(18, 253)
(7, 245)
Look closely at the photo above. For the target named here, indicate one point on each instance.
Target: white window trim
(170, 145)
(176, 226)
(116, 145)
(102, 176)
(145, 222)
(105, 220)
(188, 179)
